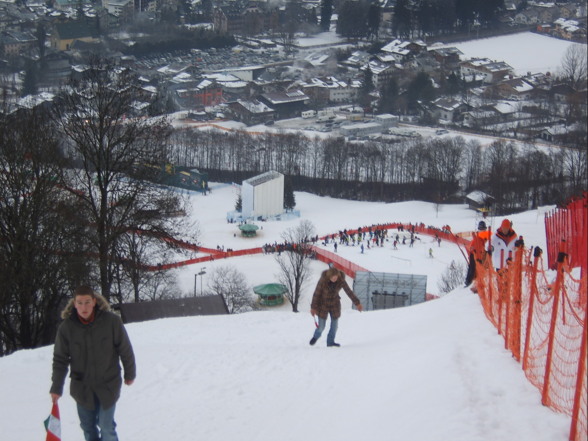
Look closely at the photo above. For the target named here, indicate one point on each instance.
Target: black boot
(313, 341)
(334, 345)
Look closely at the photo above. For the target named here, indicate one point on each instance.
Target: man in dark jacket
(477, 251)
(90, 342)
(326, 301)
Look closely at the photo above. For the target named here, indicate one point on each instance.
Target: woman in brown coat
(326, 301)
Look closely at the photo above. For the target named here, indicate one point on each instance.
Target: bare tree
(575, 164)
(573, 66)
(109, 150)
(39, 232)
(295, 261)
(452, 277)
(231, 285)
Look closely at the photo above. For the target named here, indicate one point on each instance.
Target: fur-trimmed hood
(325, 275)
(101, 305)
(325, 299)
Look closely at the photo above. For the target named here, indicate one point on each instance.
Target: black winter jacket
(92, 352)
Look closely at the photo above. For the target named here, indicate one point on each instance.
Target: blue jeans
(332, 330)
(92, 420)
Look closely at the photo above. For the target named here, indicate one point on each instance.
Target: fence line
(542, 316)
(571, 226)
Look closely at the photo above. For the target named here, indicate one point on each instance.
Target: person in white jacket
(503, 244)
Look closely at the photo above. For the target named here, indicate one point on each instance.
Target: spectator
(477, 251)
(503, 244)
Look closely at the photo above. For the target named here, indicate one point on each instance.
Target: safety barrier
(543, 321)
(338, 262)
(571, 226)
(212, 254)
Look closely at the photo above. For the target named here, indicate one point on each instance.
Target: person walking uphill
(326, 301)
(90, 342)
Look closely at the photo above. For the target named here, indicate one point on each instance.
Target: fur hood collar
(101, 305)
(325, 277)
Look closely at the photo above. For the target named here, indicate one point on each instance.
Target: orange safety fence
(542, 317)
(571, 226)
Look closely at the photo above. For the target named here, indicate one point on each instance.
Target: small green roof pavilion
(270, 294)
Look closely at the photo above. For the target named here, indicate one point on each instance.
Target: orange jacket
(478, 244)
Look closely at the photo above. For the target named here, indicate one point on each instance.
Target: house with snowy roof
(514, 89)
(527, 17)
(251, 112)
(357, 59)
(228, 82)
(197, 94)
(490, 71)
(328, 90)
(287, 103)
(447, 109)
(568, 29)
(447, 57)
(381, 72)
(479, 200)
(480, 118)
(404, 50)
(318, 59)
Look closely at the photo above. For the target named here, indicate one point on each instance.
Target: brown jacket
(326, 297)
(92, 353)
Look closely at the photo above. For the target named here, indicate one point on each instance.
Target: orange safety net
(542, 317)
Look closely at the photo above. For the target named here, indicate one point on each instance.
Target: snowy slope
(432, 372)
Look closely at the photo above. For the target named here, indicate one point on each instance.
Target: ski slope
(437, 371)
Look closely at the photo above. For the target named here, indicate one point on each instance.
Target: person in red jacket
(503, 244)
(326, 301)
(477, 251)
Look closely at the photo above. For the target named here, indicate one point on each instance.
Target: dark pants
(471, 274)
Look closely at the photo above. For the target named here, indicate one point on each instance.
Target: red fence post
(530, 313)
(580, 381)
(554, 313)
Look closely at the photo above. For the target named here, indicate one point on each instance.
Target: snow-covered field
(436, 371)
(525, 51)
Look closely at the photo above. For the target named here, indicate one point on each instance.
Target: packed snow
(437, 371)
(525, 51)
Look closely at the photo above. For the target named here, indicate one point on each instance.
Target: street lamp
(201, 274)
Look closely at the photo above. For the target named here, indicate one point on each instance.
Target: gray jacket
(92, 352)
